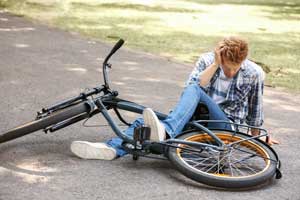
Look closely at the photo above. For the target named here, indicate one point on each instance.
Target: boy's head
(233, 51)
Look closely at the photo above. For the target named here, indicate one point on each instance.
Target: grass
(182, 29)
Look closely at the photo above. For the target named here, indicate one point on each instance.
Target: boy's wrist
(215, 65)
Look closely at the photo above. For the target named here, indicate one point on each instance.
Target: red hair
(233, 49)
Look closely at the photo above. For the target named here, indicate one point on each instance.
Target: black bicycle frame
(113, 102)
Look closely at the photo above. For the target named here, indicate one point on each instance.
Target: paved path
(41, 65)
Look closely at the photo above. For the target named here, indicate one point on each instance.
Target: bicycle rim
(243, 163)
(243, 160)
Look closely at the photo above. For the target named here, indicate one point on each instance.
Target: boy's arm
(207, 74)
(205, 68)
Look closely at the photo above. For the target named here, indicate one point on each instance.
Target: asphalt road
(42, 65)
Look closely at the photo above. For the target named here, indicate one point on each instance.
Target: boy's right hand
(218, 58)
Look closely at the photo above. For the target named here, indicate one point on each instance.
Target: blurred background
(182, 29)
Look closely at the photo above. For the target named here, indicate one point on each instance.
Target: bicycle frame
(136, 108)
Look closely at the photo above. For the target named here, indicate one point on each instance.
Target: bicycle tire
(222, 178)
(45, 122)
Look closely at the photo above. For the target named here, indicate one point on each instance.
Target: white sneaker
(157, 129)
(88, 150)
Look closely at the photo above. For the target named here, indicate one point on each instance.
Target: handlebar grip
(105, 65)
(117, 46)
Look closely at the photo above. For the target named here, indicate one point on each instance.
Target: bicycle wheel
(243, 164)
(42, 123)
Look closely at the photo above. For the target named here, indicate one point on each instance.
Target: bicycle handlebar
(93, 91)
(114, 49)
(105, 64)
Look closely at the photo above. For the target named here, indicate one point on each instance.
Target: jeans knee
(195, 88)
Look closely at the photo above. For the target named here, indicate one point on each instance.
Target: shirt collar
(243, 65)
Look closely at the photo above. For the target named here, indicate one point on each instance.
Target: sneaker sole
(87, 150)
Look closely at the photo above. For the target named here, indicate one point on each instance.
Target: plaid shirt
(244, 100)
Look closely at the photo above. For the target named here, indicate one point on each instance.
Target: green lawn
(183, 29)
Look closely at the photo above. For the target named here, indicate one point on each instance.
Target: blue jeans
(180, 116)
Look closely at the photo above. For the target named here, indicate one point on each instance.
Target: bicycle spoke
(230, 167)
(195, 160)
(216, 164)
(238, 170)
(202, 160)
(231, 170)
(241, 159)
(197, 163)
(255, 154)
(244, 159)
(246, 165)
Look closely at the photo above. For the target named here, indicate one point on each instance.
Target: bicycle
(216, 157)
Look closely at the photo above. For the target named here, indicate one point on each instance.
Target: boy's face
(230, 69)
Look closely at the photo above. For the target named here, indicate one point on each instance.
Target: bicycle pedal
(141, 133)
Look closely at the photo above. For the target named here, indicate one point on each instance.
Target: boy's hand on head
(218, 58)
